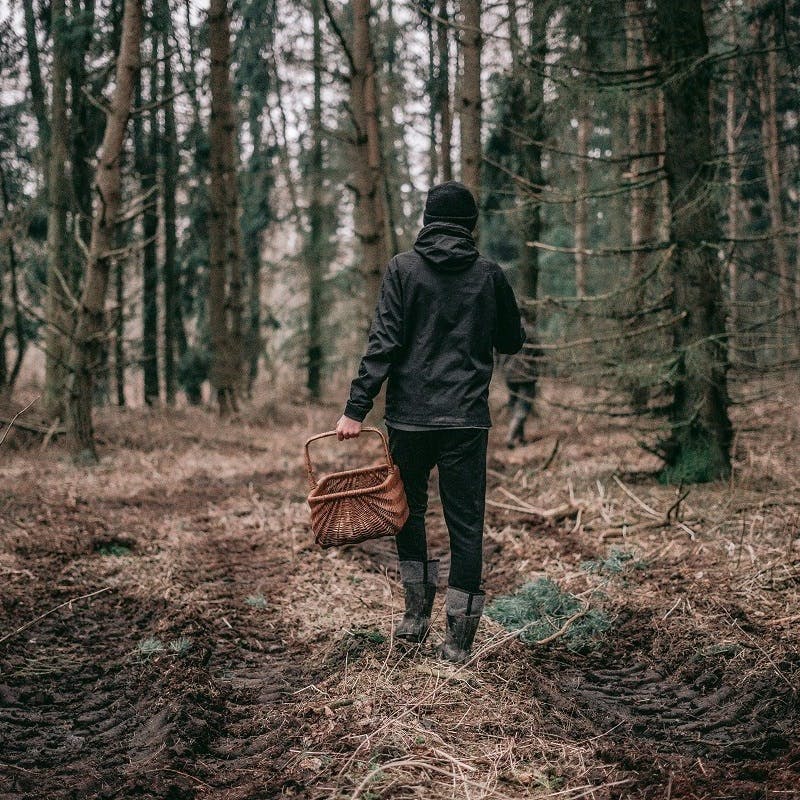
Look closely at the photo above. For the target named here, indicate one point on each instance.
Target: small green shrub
(150, 646)
(370, 635)
(615, 563)
(180, 645)
(539, 609)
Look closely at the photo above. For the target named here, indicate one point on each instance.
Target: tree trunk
(471, 42)
(642, 132)
(9, 377)
(443, 90)
(4, 390)
(38, 95)
(225, 283)
(147, 158)
(391, 97)
(89, 332)
(370, 213)
(638, 120)
(698, 448)
(85, 127)
(767, 84)
(527, 118)
(433, 95)
(582, 196)
(257, 195)
(119, 331)
(169, 156)
(731, 136)
(59, 318)
(314, 355)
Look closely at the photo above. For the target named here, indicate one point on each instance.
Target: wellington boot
(419, 582)
(464, 611)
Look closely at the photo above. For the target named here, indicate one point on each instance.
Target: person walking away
(442, 310)
(521, 372)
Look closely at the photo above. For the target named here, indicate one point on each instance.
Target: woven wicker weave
(357, 504)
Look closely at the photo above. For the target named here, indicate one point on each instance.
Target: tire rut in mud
(699, 720)
(154, 699)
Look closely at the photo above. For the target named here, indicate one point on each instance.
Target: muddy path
(173, 680)
(221, 655)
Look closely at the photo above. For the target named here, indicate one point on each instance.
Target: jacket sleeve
(384, 344)
(509, 334)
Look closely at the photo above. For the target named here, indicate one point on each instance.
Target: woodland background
(197, 194)
(198, 201)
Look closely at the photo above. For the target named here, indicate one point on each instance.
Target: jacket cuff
(355, 412)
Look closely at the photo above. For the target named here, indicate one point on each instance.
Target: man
(442, 309)
(521, 372)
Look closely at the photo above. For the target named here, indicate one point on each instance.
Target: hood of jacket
(446, 246)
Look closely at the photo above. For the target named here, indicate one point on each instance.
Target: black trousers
(460, 455)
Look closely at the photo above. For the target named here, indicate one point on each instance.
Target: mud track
(126, 695)
(185, 678)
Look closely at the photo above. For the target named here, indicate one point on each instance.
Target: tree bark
(314, 354)
(9, 377)
(642, 133)
(257, 195)
(59, 318)
(146, 146)
(119, 331)
(527, 100)
(89, 333)
(641, 124)
(370, 212)
(698, 448)
(391, 97)
(733, 195)
(433, 95)
(443, 99)
(582, 196)
(225, 282)
(767, 85)
(471, 43)
(85, 130)
(169, 156)
(38, 95)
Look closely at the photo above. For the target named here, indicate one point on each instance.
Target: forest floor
(168, 629)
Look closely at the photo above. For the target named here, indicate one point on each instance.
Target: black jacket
(442, 309)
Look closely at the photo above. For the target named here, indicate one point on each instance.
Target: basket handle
(310, 469)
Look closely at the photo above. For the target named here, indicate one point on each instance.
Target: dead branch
(550, 514)
(51, 611)
(13, 420)
(649, 509)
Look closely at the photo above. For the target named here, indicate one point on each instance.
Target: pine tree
(698, 448)
(89, 332)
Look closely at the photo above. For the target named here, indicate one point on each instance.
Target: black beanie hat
(451, 202)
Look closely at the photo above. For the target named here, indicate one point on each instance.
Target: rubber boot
(419, 582)
(464, 610)
(516, 430)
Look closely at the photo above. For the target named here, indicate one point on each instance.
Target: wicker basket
(357, 504)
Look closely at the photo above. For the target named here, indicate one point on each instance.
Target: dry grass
(717, 572)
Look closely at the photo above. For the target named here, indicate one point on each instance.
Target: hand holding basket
(357, 504)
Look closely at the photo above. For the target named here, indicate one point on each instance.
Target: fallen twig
(51, 611)
(549, 459)
(563, 629)
(638, 500)
(551, 514)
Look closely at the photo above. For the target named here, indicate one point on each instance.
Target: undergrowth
(540, 608)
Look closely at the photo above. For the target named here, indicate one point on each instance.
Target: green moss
(695, 460)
